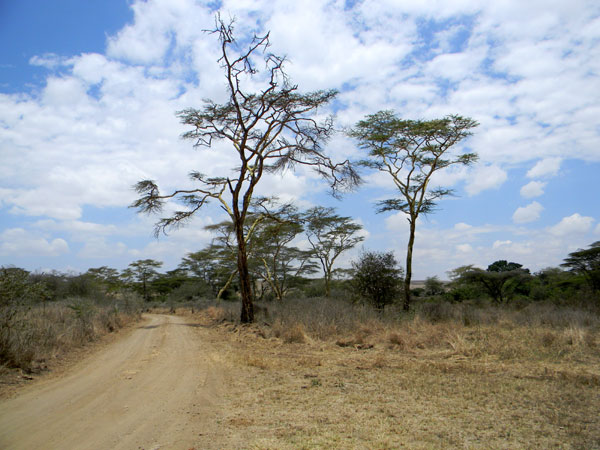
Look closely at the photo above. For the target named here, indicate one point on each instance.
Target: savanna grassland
(321, 373)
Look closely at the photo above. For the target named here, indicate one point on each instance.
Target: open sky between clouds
(89, 91)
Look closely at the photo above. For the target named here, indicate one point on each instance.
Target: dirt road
(155, 388)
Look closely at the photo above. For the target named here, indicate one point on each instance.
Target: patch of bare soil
(155, 387)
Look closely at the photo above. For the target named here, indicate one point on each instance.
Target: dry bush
(30, 335)
(324, 319)
(535, 332)
(294, 335)
(216, 314)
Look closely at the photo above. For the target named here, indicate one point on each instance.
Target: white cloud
(571, 225)
(461, 226)
(529, 213)
(485, 177)
(17, 242)
(545, 167)
(99, 248)
(464, 248)
(398, 223)
(48, 60)
(498, 244)
(533, 189)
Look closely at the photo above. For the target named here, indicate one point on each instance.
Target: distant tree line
(280, 269)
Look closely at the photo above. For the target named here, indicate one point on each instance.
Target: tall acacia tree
(411, 151)
(269, 130)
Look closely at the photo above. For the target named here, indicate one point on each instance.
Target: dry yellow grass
(414, 385)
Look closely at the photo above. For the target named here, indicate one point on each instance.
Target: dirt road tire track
(155, 388)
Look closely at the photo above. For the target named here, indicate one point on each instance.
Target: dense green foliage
(586, 262)
(377, 278)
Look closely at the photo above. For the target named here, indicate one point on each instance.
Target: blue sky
(88, 92)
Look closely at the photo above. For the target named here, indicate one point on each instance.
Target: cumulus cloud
(571, 225)
(529, 213)
(533, 189)
(486, 177)
(545, 167)
(498, 244)
(461, 226)
(464, 248)
(18, 242)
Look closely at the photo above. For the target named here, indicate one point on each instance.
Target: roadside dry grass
(33, 337)
(507, 379)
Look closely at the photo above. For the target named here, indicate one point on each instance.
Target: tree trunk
(144, 288)
(327, 286)
(411, 241)
(225, 287)
(247, 315)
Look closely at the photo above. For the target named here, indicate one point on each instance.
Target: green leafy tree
(106, 276)
(214, 265)
(586, 262)
(377, 278)
(270, 130)
(276, 261)
(330, 235)
(460, 288)
(17, 286)
(143, 271)
(553, 282)
(165, 283)
(503, 266)
(501, 279)
(411, 151)
(433, 286)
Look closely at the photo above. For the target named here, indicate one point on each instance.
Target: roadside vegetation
(45, 315)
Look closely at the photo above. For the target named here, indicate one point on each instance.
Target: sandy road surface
(153, 389)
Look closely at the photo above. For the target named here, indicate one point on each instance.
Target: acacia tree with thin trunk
(270, 130)
(329, 235)
(411, 151)
(144, 271)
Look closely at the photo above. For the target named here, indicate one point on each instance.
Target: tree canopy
(329, 235)
(586, 262)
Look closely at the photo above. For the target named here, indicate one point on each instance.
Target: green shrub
(377, 278)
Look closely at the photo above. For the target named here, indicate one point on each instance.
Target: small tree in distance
(500, 280)
(411, 151)
(269, 131)
(329, 236)
(144, 271)
(377, 278)
(433, 286)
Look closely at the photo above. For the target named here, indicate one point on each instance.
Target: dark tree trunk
(145, 292)
(411, 241)
(247, 315)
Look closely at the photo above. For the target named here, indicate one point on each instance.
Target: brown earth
(156, 387)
